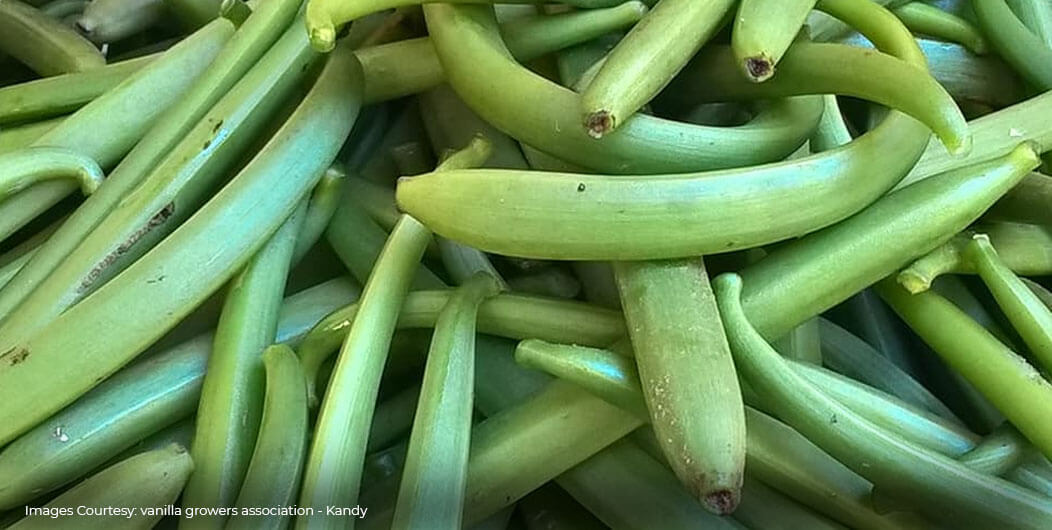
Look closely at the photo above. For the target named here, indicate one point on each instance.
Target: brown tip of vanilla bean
(721, 502)
(599, 123)
(759, 68)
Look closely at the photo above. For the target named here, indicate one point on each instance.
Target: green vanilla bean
(1002, 376)
(151, 146)
(53, 96)
(932, 21)
(997, 453)
(135, 402)
(273, 475)
(323, 17)
(32, 165)
(764, 507)
(849, 355)
(625, 488)
(1028, 315)
(776, 453)
(790, 285)
(461, 262)
(761, 35)
(431, 492)
(646, 59)
(113, 123)
(534, 432)
(1036, 16)
(17, 137)
(146, 483)
(1023, 248)
(852, 71)
(357, 240)
(533, 110)
(1026, 203)
(886, 460)
(171, 191)
(228, 415)
(510, 315)
(567, 199)
(993, 135)
(1020, 47)
(323, 203)
(687, 374)
(334, 464)
(411, 66)
(43, 43)
(183, 270)
(112, 20)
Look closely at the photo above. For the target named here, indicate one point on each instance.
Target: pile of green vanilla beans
(598, 264)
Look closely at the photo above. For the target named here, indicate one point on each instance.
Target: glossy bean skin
(247, 210)
(232, 393)
(646, 59)
(806, 277)
(337, 453)
(687, 374)
(776, 453)
(149, 480)
(509, 314)
(166, 195)
(1018, 45)
(323, 17)
(110, 125)
(860, 445)
(571, 197)
(1025, 249)
(56, 95)
(33, 165)
(1001, 375)
(273, 475)
(761, 36)
(251, 40)
(431, 493)
(411, 66)
(1028, 315)
(134, 402)
(467, 39)
(930, 20)
(43, 43)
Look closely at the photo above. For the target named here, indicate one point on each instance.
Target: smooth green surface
(646, 59)
(910, 471)
(334, 464)
(148, 480)
(810, 275)
(762, 35)
(687, 375)
(33, 165)
(178, 274)
(273, 475)
(232, 395)
(431, 492)
(167, 194)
